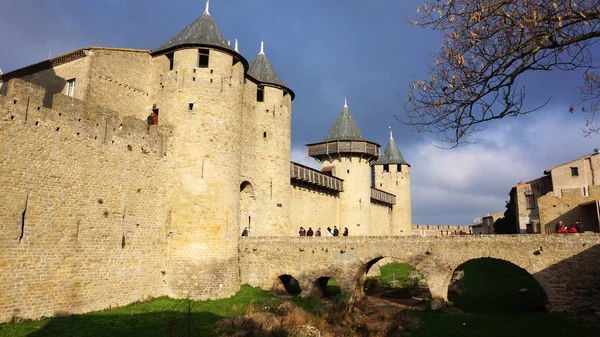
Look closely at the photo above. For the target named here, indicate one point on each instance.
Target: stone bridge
(566, 266)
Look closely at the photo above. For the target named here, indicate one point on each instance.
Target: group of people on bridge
(310, 232)
(576, 227)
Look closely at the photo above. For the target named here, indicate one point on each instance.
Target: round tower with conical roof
(199, 81)
(391, 173)
(265, 190)
(348, 155)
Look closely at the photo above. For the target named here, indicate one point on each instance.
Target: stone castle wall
(266, 149)
(83, 206)
(381, 219)
(312, 207)
(120, 80)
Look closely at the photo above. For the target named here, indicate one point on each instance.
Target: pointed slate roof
(344, 128)
(391, 155)
(262, 70)
(203, 31)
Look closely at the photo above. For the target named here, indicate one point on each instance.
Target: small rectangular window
(191, 106)
(171, 61)
(265, 134)
(203, 58)
(529, 200)
(71, 87)
(386, 168)
(260, 94)
(574, 171)
(399, 168)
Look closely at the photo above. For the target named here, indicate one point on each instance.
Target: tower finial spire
(345, 103)
(236, 45)
(207, 4)
(262, 47)
(391, 136)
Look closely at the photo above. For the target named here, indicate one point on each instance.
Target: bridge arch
(508, 286)
(437, 268)
(566, 267)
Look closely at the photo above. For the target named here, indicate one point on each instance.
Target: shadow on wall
(587, 214)
(573, 284)
(52, 83)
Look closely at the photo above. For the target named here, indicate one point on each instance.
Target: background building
(566, 192)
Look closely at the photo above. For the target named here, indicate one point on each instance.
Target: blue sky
(326, 51)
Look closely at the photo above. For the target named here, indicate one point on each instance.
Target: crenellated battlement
(73, 118)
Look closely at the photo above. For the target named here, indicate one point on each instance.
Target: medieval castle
(100, 210)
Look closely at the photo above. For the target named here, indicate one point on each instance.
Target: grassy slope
(154, 318)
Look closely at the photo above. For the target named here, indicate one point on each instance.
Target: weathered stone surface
(566, 266)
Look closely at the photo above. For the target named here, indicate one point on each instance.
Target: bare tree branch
(489, 45)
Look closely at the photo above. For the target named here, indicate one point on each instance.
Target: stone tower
(265, 192)
(349, 156)
(391, 173)
(198, 86)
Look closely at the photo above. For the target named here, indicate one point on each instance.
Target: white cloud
(455, 186)
(299, 156)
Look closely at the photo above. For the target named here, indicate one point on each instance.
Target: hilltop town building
(98, 211)
(567, 192)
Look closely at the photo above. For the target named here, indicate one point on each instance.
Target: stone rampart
(83, 207)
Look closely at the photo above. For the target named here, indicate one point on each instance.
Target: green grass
(332, 289)
(395, 271)
(154, 318)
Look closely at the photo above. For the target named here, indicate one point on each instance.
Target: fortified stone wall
(313, 207)
(381, 219)
(266, 151)
(83, 207)
(120, 80)
(54, 80)
(566, 266)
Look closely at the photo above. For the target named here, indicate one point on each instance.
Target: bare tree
(489, 45)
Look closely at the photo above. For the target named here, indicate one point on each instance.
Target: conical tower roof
(203, 31)
(392, 154)
(345, 127)
(262, 70)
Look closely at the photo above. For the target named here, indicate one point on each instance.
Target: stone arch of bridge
(519, 260)
(437, 268)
